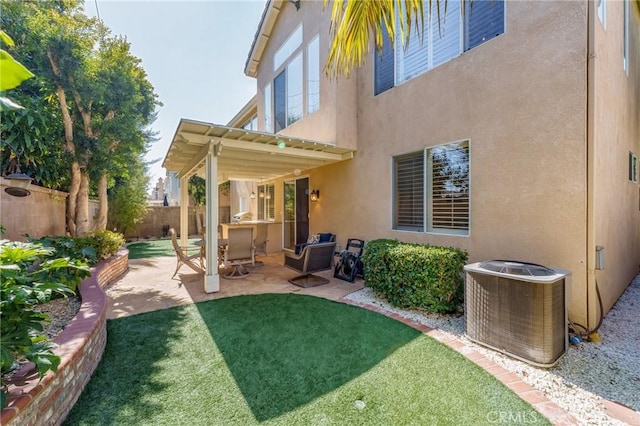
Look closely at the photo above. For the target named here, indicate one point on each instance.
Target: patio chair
(238, 252)
(260, 243)
(183, 257)
(313, 258)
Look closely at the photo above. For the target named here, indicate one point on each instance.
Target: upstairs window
(287, 94)
(251, 124)
(267, 108)
(293, 42)
(602, 12)
(313, 75)
(442, 39)
(625, 37)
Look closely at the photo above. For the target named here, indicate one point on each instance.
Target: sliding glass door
(296, 212)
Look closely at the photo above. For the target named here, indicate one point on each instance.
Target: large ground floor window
(431, 190)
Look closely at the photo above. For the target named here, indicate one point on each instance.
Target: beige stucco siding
(616, 132)
(335, 121)
(520, 100)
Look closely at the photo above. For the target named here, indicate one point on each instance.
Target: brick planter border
(80, 347)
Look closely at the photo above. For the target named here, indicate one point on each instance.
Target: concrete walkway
(148, 285)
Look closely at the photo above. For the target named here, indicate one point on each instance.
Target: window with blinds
(449, 189)
(409, 192)
(447, 32)
(432, 184)
(266, 203)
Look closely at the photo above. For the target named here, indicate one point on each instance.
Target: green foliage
(198, 189)
(31, 274)
(31, 139)
(12, 73)
(128, 198)
(90, 248)
(415, 275)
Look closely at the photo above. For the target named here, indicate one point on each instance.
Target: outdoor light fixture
(19, 182)
(281, 144)
(253, 195)
(314, 195)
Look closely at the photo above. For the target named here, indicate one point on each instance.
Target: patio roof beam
(196, 162)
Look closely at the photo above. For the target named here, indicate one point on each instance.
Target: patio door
(296, 212)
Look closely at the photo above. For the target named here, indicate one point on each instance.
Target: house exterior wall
(550, 118)
(615, 115)
(520, 99)
(335, 121)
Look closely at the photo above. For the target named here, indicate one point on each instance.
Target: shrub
(90, 248)
(30, 275)
(415, 275)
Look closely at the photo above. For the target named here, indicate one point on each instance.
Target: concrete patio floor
(148, 285)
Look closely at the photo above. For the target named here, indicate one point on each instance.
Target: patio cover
(222, 153)
(245, 154)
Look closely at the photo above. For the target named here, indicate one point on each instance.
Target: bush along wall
(416, 276)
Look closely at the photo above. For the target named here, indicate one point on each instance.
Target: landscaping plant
(415, 275)
(90, 248)
(31, 274)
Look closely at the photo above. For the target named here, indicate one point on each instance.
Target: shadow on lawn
(286, 350)
(122, 387)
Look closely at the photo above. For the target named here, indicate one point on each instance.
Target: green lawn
(156, 248)
(285, 359)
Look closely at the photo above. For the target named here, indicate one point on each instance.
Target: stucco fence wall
(158, 216)
(39, 214)
(80, 346)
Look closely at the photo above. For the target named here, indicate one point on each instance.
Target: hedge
(415, 275)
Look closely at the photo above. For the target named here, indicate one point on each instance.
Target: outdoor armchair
(313, 258)
(238, 252)
(182, 255)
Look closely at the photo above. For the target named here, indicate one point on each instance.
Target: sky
(194, 54)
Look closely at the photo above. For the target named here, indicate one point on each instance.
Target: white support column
(184, 211)
(211, 277)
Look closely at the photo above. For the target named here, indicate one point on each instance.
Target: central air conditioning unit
(518, 308)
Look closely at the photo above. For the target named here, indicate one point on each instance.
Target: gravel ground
(585, 375)
(60, 311)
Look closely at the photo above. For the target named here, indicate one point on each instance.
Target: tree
(128, 198)
(197, 190)
(355, 22)
(104, 97)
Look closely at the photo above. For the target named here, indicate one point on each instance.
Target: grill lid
(517, 268)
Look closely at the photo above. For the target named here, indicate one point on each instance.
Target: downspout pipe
(591, 295)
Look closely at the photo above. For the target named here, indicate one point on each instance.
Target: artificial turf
(156, 248)
(285, 359)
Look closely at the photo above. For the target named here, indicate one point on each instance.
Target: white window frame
(268, 104)
(427, 177)
(298, 106)
(313, 75)
(288, 47)
(625, 38)
(601, 6)
(266, 197)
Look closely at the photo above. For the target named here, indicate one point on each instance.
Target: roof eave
(267, 22)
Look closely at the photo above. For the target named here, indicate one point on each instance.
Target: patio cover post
(211, 278)
(184, 211)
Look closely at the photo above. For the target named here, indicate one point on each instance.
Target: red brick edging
(537, 399)
(80, 347)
